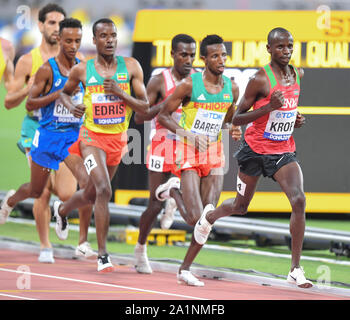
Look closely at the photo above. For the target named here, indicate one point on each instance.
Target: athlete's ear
(172, 53)
(268, 48)
(41, 26)
(93, 40)
(203, 58)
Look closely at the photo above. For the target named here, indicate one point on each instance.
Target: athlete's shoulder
(300, 72)
(24, 64)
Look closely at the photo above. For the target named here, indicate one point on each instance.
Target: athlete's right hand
(201, 142)
(277, 100)
(79, 110)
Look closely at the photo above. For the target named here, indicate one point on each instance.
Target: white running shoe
(5, 209)
(167, 218)
(297, 277)
(188, 278)
(104, 264)
(203, 227)
(62, 225)
(46, 256)
(84, 250)
(141, 260)
(163, 191)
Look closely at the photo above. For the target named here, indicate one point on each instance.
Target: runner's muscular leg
(238, 205)
(290, 178)
(154, 207)
(76, 167)
(95, 160)
(211, 186)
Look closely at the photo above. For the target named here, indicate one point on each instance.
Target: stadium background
(322, 30)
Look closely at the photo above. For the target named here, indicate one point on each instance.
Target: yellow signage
(321, 39)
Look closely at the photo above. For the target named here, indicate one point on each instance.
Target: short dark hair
(70, 23)
(50, 7)
(102, 20)
(272, 34)
(184, 38)
(207, 41)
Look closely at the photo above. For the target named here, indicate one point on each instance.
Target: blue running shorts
(49, 148)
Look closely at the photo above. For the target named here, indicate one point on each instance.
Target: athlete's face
(183, 57)
(106, 38)
(50, 27)
(70, 40)
(281, 48)
(216, 58)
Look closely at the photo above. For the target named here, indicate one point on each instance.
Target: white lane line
(102, 284)
(16, 297)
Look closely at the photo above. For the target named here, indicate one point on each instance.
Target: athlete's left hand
(300, 120)
(111, 87)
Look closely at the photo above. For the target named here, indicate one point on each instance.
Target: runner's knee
(104, 191)
(298, 202)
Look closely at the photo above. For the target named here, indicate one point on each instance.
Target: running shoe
(46, 256)
(5, 209)
(84, 250)
(203, 227)
(104, 264)
(297, 277)
(163, 191)
(188, 278)
(167, 218)
(141, 260)
(62, 226)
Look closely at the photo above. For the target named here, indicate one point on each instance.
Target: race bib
(208, 123)
(108, 109)
(62, 114)
(156, 163)
(280, 125)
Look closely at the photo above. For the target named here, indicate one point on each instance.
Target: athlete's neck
(284, 69)
(65, 61)
(213, 79)
(48, 50)
(106, 61)
(177, 75)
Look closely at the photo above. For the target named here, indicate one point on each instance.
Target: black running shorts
(255, 164)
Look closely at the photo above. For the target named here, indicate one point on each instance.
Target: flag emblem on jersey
(122, 76)
(92, 80)
(227, 96)
(201, 97)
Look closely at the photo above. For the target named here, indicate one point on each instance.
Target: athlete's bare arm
(38, 97)
(21, 84)
(140, 103)
(257, 88)
(181, 94)
(155, 92)
(300, 120)
(9, 55)
(76, 75)
(235, 131)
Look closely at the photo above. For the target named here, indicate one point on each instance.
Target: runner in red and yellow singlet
(269, 148)
(108, 107)
(161, 154)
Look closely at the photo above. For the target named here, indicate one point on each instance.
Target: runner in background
(62, 182)
(161, 154)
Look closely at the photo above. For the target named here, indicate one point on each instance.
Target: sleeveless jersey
(170, 85)
(205, 113)
(272, 133)
(106, 113)
(37, 62)
(55, 116)
(2, 62)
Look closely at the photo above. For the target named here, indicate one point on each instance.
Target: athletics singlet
(272, 133)
(205, 112)
(37, 62)
(106, 113)
(55, 116)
